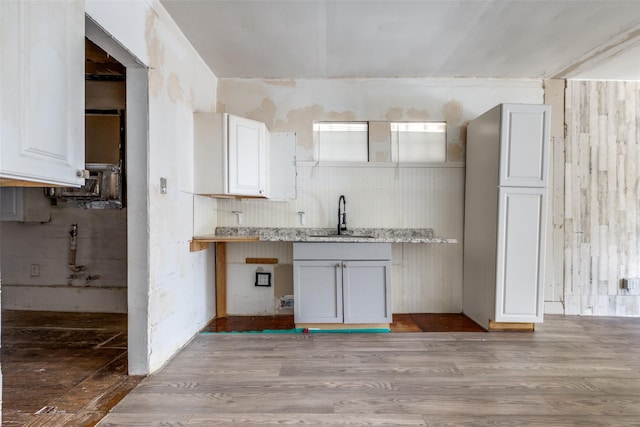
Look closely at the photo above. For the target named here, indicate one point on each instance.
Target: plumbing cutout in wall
(73, 248)
(285, 302)
(263, 278)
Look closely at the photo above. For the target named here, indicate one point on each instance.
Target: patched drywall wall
(171, 294)
(601, 214)
(426, 278)
(292, 105)
(35, 262)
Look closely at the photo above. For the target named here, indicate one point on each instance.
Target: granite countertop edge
(308, 234)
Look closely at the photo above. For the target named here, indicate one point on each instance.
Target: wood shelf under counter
(200, 243)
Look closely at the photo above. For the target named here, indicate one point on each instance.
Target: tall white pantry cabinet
(505, 215)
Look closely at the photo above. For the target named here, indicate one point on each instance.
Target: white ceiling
(414, 38)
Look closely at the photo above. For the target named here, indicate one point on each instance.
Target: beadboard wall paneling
(204, 215)
(601, 198)
(426, 278)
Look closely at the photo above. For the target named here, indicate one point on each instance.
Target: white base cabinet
(230, 156)
(342, 283)
(27, 204)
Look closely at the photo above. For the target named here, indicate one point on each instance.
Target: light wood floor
(573, 371)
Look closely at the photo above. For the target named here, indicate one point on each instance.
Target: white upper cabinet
(42, 92)
(524, 145)
(231, 155)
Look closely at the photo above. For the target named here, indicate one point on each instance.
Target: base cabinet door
(346, 283)
(367, 291)
(520, 260)
(318, 291)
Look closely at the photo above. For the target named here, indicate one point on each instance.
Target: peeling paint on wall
(174, 90)
(456, 153)
(379, 142)
(452, 112)
(394, 114)
(265, 113)
(281, 82)
(300, 121)
(156, 55)
(293, 105)
(418, 115)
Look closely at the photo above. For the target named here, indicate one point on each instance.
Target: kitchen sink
(339, 236)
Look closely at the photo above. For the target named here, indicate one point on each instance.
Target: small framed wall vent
(263, 279)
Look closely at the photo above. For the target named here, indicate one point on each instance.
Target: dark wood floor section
(249, 323)
(572, 371)
(62, 369)
(423, 322)
(445, 322)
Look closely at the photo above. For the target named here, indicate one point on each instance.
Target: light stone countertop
(371, 235)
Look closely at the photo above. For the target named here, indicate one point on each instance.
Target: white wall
(426, 278)
(171, 288)
(101, 250)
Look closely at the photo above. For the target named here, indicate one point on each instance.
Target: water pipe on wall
(73, 248)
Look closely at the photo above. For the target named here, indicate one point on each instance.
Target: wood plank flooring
(62, 369)
(572, 371)
(422, 322)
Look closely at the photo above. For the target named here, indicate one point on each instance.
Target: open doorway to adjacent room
(66, 276)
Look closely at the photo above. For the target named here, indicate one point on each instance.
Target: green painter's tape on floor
(308, 331)
(350, 331)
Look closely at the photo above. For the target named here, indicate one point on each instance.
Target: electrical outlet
(35, 270)
(630, 283)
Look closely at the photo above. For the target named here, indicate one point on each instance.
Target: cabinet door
(317, 291)
(367, 291)
(11, 204)
(42, 86)
(520, 261)
(524, 149)
(247, 157)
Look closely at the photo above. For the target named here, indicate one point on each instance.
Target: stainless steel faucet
(342, 215)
